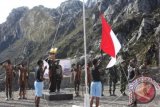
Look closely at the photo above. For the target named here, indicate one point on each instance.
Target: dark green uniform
(103, 79)
(123, 78)
(113, 78)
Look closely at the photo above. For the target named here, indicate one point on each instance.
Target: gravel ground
(105, 101)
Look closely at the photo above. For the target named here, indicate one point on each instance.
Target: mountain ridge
(31, 32)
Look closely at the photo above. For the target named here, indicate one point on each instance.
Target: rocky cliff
(30, 33)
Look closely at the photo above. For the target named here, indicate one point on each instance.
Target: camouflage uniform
(113, 77)
(103, 79)
(123, 78)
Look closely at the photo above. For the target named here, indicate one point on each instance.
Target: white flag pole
(86, 96)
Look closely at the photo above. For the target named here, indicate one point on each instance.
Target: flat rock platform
(57, 96)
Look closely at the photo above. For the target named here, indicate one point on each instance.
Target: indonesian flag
(109, 43)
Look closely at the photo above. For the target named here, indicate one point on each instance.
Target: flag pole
(159, 52)
(86, 96)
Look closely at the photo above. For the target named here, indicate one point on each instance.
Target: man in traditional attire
(9, 78)
(52, 70)
(23, 73)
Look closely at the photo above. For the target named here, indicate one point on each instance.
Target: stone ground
(105, 101)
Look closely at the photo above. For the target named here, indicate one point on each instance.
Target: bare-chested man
(22, 80)
(9, 78)
(77, 78)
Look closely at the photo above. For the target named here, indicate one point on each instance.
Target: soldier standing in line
(123, 77)
(102, 78)
(113, 78)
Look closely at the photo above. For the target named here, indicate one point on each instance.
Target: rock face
(10, 31)
(146, 26)
(27, 29)
(29, 34)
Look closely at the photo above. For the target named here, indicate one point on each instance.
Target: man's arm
(3, 65)
(27, 72)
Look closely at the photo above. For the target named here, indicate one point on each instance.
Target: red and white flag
(109, 43)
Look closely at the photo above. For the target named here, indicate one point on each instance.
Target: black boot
(110, 92)
(124, 94)
(114, 93)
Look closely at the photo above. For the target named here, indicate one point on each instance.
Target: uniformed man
(123, 77)
(89, 77)
(102, 78)
(113, 78)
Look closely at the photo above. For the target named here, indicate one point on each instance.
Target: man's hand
(2, 64)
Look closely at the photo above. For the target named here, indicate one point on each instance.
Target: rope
(58, 27)
(53, 44)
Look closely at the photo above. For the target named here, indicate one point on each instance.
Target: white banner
(66, 66)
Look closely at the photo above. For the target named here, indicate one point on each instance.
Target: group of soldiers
(118, 72)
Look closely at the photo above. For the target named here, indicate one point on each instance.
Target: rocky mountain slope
(30, 33)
